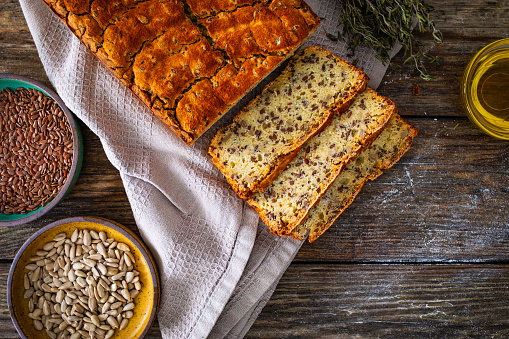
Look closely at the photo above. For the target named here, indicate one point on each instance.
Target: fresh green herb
(380, 24)
(332, 37)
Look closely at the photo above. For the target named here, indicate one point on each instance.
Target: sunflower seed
(125, 293)
(95, 257)
(123, 323)
(89, 262)
(74, 236)
(38, 325)
(31, 267)
(103, 236)
(78, 266)
(48, 246)
(87, 240)
(108, 335)
(46, 308)
(129, 276)
(36, 313)
(95, 320)
(118, 276)
(89, 327)
(123, 247)
(26, 282)
(128, 307)
(112, 322)
(127, 260)
(28, 293)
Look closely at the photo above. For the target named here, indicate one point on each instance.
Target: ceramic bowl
(13, 82)
(146, 302)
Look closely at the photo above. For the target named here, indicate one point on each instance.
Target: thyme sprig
(380, 24)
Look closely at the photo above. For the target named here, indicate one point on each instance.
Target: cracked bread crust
(288, 200)
(189, 61)
(384, 152)
(269, 132)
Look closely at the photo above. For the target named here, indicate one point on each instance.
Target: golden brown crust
(229, 83)
(199, 107)
(205, 8)
(163, 50)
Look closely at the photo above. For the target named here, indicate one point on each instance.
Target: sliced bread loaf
(189, 61)
(287, 200)
(383, 153)
(272, 128)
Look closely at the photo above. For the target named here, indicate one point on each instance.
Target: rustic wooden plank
(443, 201)
(467, 26)
(476, 14)
(8, 330)
(404, 301)
(387, 301)
(18, 53)
(441, 97)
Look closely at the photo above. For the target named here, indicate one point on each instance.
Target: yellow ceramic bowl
(146, 303)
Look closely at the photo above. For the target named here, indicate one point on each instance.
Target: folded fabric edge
(226, 283)
(225, 286)
(245, 323)
(257, 287)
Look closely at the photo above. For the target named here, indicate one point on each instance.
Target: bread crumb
(416, 90)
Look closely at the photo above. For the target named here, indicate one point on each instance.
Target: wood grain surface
(423, 252)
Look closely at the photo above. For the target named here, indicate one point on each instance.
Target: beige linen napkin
(218, 265)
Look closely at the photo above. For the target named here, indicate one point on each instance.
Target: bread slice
(271, 129)
(288, 199)
(383, 153)
(189, 61)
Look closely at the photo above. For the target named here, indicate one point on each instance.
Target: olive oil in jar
(485, 89)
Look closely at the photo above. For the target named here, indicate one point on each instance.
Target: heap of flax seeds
(36, 150)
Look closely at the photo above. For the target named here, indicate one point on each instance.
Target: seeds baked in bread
(267, 134)
(189, 61)
(383, 153)
(288, 199)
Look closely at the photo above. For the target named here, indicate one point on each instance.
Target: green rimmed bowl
(13, 82)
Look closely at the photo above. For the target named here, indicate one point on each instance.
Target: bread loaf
(267, 134)
(383, 153)
(189, 61)
(288, 199)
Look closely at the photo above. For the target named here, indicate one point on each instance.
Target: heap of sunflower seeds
(81, 287)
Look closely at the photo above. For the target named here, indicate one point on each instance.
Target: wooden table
(422, 252)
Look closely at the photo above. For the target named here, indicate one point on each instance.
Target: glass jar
(485, 89)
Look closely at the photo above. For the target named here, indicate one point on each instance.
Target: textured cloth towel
(218, 265)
